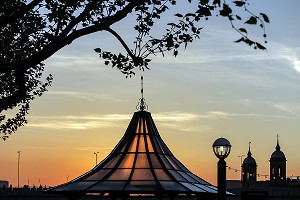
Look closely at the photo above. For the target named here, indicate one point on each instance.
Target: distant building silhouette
(249, 169)
(277, 167)
(278, 187)
(3, 184)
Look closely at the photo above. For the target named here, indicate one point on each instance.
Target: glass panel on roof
(142, 146)
(108, 185)
(127, 161)
(113, 161)
(159, 144)
(142, 174)
(154, 160)
(149, 143)
(174, 165)
(142, 126)
(166, 163)
(132, 147)
(161, 175)
(177, 176)
(187, 177)
(212, 187)
(164, 147)
(206, 188)
(98, 175)
(179, 164)
(142, 161)
(145, 126)
(120, 174)
(172, 186)
(75, 186)
(192, 187)
(142, 186)
(200, 180)
(138, 127)
(156, 144)
(123, 148)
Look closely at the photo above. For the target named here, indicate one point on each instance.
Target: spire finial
(277, 146)
(142, 104)
(249, 151)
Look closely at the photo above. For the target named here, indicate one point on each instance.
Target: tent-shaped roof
(141, 163)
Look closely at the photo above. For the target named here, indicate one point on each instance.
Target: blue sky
(215, 88)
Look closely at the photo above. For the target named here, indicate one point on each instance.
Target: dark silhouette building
(277, 167)
(278, 187)
(249, 168)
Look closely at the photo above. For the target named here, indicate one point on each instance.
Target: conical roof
(249, 160)
(141, 163)
(278, 154)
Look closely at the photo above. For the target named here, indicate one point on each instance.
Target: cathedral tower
(277, 166)
(249, 169)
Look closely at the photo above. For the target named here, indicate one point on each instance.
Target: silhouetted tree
(32, 31)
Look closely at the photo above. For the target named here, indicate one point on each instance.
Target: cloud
(77, 121)
(66, 61)
(93, 149)
(183, 121)
(88, 96)
(293, 56)
(286, 108)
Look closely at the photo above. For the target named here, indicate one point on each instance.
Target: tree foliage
(32, 31)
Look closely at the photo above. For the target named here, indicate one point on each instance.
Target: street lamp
(19, 155)
(96, 154)
(221, 149)
(241, 156)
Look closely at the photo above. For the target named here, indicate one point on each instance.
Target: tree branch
(114, 33)
(60, 41)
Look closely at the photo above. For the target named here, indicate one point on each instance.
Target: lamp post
(19, 155)
(241, 156)
(96, 154)
(221, 149)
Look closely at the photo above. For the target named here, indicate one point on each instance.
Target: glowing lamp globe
(221, 148)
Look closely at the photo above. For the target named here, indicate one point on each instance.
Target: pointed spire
(142, 103)
(277, 146)
(249, 151)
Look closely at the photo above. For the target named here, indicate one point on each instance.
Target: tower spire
(142, 103)
(249, 151)
(277, 146)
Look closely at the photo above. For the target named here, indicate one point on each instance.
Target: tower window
(279, 171)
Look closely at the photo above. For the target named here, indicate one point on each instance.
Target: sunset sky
(215, 88)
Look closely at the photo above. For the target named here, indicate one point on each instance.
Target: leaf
(226, 10)
(239, 3)
(238, 17)
(175, 53)
(265, 17)
(217, 2)
(260, 46)
(239, 40)
(249, 42)
(204, 11)
(98, 50)
(178, 15)
(204, 2)
(243, 30)
(251, 20)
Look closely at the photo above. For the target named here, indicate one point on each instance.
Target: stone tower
(278, 166)
(249, 169)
